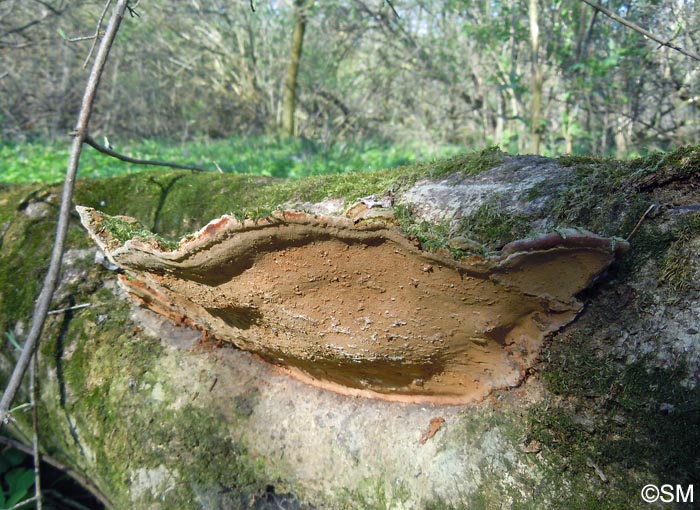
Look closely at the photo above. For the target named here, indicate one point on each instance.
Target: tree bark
(537, 78)
(158, 417)
(301, 8)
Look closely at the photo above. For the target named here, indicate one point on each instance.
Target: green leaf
(13, 340)
(19, 480)
(9, 459)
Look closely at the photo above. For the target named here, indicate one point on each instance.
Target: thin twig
(35, 433)
(639, 223)
(132, 9)
(252, 5)
(128, 159)
(639, 29)
(81, 38)
(23, 503)
(97, 34)
(393, 9)
(51, 280)
(61, 467)
(70, 308)
(49, 7)
(64, 500)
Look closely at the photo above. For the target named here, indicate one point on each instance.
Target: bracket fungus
(351, 305)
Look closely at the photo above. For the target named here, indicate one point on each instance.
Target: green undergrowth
(267, 156)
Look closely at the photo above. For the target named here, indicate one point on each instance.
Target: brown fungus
(349, 306)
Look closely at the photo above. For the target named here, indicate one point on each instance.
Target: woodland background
(542, 76)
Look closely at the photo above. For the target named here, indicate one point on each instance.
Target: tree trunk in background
(290, 83)
(537, 78)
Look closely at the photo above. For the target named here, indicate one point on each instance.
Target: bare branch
(639, 29)
(51, 280)
(35, 433)
(392, 8)
(49, 7)
(81, 38)
(21, 29)
(128, 159)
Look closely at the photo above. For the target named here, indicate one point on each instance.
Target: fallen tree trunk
(159, 414)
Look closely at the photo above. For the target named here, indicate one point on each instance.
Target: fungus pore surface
(351, 305)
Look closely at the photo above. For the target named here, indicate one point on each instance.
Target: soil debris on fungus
(349, 306)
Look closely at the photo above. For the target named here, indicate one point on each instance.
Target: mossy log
(158, 415)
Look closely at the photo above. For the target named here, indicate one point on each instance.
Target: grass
(268, 156)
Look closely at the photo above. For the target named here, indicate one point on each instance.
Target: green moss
(375, 494)
(490, 227)
(124, 230)
(605, 196)
(111, 367)
(571, 160)
(677, 264)
(684, 162)
(467, 164)
(595, 199)
(23, 263)
(12, 198)
(676, 268)
(494, 227)
(611, 413)
(175, 203)
(431, 237)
